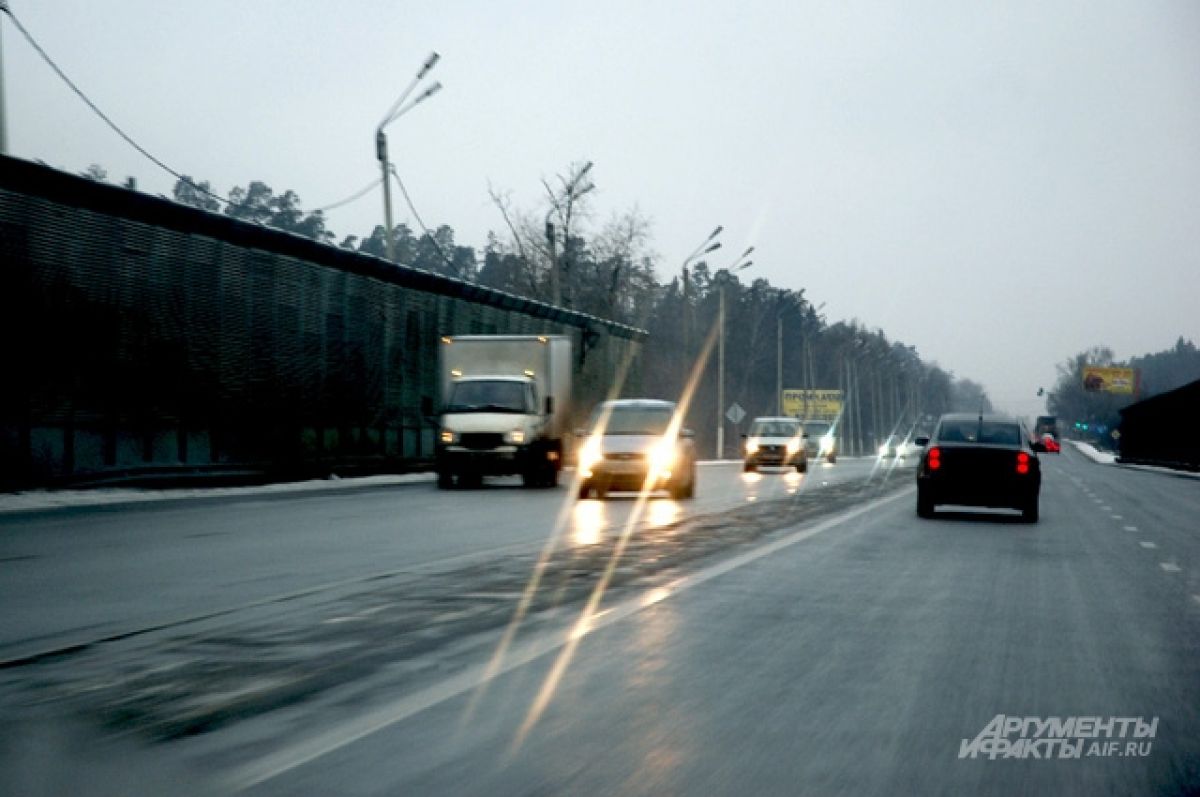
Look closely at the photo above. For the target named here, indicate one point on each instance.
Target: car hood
(771, 440)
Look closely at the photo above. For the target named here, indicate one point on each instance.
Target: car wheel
(585, 490)
(1029, 513)
(831, 459)
(802, 466)
(445, 480)
(924, 504)
(749, 467)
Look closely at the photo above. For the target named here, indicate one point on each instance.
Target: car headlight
(515, 436)
(449, 437)
(589, 455)
(662, 457)
(826, 444)
(751, 445)
(883, 449)
(793, 446)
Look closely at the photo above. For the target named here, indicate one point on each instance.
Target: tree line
(559, 252)
(1158, 372)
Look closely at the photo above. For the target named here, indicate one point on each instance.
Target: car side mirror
(921, 441)
(743, 437)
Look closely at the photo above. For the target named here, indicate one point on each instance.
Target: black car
(979, 460)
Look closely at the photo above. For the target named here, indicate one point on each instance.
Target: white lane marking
(1147, 545)
(1105, 508)
(1131, 528)
(347, 733)
(1117, 517)
(1170, 567)
(1196, 598)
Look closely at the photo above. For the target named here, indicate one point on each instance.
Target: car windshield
(774, 429)
(816, 428)
(635, 420)
(489, 396)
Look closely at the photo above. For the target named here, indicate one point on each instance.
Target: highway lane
(855, 660)
(70, 576)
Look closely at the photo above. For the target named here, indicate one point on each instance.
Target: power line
(46, 57)
(417, 216)
(356, 195)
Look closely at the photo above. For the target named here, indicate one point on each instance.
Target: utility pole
(779, 364)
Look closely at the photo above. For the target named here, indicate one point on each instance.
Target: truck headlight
(589, 456)
(793, 446)
(752, 445)
(516, 436)
(448, 437)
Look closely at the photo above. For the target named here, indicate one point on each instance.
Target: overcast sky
(999, 184)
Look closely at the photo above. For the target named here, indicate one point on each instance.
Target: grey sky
(999, 184)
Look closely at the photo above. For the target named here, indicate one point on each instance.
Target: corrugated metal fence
(141, 336)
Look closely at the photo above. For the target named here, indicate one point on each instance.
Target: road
(847, 653)
(74, 575)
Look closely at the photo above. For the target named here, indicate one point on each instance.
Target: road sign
(735, 413)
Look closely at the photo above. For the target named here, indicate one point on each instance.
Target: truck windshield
(490, 396)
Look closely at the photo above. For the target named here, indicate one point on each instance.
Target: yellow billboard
(823, 405)
(1103, 379)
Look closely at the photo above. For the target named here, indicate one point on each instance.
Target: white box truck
(505, 404)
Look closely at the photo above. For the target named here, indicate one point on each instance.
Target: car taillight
(935, 458)
(1022, 462)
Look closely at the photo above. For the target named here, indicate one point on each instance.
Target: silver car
(636, 444)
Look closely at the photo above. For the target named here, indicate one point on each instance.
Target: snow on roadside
(35, 500)
(1093, 453)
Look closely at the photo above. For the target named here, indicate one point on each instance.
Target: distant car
(890, 448)
(979, 460)
(775, 442)
(1051, 445)
(820, 441)
(636, 444)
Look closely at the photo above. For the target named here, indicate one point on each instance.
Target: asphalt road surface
(75, 575)
(860, 652)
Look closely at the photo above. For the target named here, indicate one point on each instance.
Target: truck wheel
(445, 480)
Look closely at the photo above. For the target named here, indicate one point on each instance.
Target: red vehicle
(1052, 446)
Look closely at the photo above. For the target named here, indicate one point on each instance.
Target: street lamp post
(709, 245)
(736, 267)
(381, 151)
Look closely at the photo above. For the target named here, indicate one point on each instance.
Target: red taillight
(935, 458)
(1022, 462)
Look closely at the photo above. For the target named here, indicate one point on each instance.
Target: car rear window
(976, 431)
